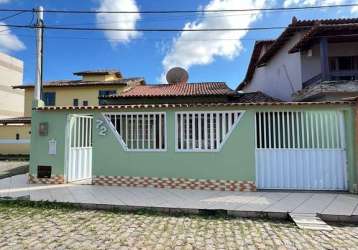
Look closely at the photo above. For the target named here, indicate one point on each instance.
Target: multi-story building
(81, 92)
(11, 73)
(310, 60)
(15, 132)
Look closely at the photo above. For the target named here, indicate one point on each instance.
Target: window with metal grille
(204, 131)
(140, 131)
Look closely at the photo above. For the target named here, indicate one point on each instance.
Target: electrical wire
(11, 16)
(182, 11)
(146, 29)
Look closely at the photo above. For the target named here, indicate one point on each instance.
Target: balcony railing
(341, 75)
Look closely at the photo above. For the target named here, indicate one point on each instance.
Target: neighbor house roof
(333, 32)
(254, 59)
(81, 83)
(309, 26)
(300, 25)
(252, 97)
(99, 72)
(177, 90)
(16, 120)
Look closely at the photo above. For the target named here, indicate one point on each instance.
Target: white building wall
(11, 73)
(311, 64)
(281, 76)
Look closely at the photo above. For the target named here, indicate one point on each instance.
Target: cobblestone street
(24, 227)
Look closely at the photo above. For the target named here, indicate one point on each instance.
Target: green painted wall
(233, 162)
(39, 144)
(236, 160)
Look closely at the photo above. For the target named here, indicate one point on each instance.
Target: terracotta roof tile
(334, 32)
(298, 25)
(254, 97)
(81, 83)
(177, 90)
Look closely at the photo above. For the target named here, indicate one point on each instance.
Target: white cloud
(4, 1)
(118, 21)
(9, 41)
(290, 3)
(212, 44)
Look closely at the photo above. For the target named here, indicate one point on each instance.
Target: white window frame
(122, 142)
(225, 138)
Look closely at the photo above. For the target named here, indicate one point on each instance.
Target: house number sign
(101, 128)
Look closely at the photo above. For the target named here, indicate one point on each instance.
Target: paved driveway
(330, 206)
(23, 227)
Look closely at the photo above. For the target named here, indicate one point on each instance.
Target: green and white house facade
(196, 136)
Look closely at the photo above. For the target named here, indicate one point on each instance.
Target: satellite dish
(177, 75)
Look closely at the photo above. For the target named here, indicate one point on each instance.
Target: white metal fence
(300, 150)
(140, 131)
(204, 131)
(80, 148)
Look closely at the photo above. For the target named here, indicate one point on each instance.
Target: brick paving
(25, 227)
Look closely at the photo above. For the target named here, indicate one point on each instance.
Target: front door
(79, 161)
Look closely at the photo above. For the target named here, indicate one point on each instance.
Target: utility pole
(39, 56)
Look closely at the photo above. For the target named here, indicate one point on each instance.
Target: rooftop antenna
(39, 56)
(177, 75)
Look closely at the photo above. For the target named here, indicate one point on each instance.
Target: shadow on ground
(11, 168)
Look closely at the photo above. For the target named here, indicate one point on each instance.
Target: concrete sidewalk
(328, 206)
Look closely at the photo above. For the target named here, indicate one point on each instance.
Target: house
(196, 136)
(11, 73)
(15, 132)
(82, 92)
(311, 60)
(11, 107)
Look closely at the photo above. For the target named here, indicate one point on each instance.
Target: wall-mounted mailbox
(43, 128)
(52, 147)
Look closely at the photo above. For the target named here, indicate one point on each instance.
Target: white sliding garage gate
(79, 165)
(303, 150)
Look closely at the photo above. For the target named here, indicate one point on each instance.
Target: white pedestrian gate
(300, 150)
(79, 166)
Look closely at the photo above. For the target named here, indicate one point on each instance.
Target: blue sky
(208, 57)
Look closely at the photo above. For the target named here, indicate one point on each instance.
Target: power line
(171, 39)
(183, 11)
(146, 29)
(11, 16)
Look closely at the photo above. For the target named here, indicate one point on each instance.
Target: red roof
(81, 83)
(299, 25)
(178, 90)
(334, 33)
(309, 26)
